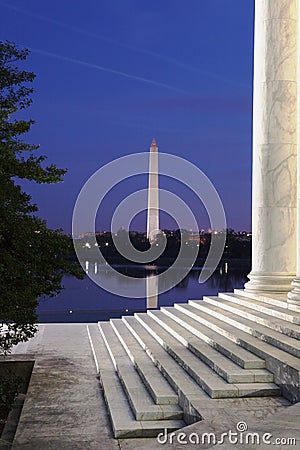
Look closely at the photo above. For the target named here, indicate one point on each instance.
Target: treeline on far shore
(168, 244)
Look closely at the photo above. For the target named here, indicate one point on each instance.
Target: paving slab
(64, 407)
(222, 416)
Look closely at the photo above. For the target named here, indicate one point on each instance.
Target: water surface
(85, 301)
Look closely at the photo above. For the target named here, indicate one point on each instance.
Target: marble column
(294, 294)
(274, 176)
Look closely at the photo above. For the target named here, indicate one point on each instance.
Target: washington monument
(153, 206)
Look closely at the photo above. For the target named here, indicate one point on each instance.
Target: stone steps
(221, 323)
(158, 387)
(210, 305)
(223, 366)
(214, 385)
(165, 368)
(123, 422)
(270, 299)
(266, 308)
(185, 387)
(139, 398)
(284, 366)
(233, 304)
(224, 345)
(279, 300)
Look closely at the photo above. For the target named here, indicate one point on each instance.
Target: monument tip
(153, 144)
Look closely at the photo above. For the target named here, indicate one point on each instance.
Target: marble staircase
(160, 369)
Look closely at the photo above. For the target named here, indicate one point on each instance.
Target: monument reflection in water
(151, 292)
(84, 301)
(220, 280)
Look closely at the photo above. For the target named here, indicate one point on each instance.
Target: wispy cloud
(108, 70)
(156, 55)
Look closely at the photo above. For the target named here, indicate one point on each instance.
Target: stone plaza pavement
(65, 409)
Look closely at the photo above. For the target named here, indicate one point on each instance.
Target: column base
(276, 283)
(293, 297)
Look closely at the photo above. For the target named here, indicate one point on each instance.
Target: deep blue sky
(187, 80)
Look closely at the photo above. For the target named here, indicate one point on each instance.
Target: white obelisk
(153, 207)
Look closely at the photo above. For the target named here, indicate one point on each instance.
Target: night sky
(111, 75)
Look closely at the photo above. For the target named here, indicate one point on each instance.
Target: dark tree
(33, 258)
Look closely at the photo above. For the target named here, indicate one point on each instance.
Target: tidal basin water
(84, 301)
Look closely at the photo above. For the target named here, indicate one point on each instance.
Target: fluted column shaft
(274, 176)
(294, 295)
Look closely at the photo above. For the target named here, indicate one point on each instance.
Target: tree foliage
(33, 258)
